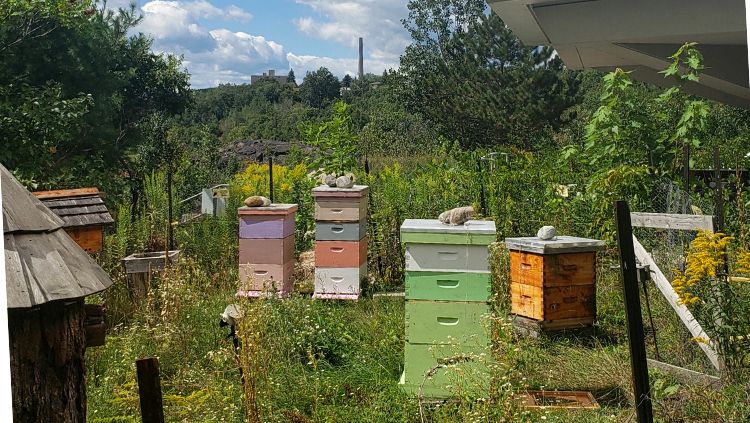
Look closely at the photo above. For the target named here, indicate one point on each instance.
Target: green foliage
(37, 123)
(71, 100)
(319, 88)
(335, 141)
(632, 128)
(469, 75)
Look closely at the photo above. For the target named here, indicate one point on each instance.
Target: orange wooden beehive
(554, 282)
(83, 213)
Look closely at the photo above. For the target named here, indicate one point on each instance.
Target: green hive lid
(558, 245)
(478, 227)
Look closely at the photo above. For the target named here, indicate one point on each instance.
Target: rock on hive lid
(559, 245)
(273, 209)
(486, 227)
(326, 191)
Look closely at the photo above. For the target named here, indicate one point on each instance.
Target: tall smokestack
(361, 70)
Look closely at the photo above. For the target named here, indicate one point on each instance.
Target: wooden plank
(72, 202)
(149, 390)
(87, 219)
(88, 209)
(44, 267)
(527, 301)
(687, 318)
(553, 269)
(62, 193)
(684, 222)
(687, 376)
(560, 399)
(21, 210)
(90, 238)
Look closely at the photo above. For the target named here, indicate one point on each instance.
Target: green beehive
(447, 289)
(447, 286)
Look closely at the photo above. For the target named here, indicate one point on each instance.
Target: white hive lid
(558, 245)
(483, 227)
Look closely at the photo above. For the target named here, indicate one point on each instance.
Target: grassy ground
(317, 361)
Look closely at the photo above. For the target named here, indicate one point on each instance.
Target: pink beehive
(266, 252)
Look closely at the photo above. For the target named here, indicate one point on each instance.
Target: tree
(468, 74)
(335, 141)
(346, 81)
(320, 87)
(290, 78)
(83, 86)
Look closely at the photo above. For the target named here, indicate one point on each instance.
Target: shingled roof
(77, 207)
(42, 263)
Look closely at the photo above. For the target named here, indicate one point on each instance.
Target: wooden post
(686, 169)
(482, 196)
(719, 212)
(270, 177)
(170, 232)
(639, 366)
(149, 390)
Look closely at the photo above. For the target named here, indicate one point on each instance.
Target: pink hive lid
(273, 209)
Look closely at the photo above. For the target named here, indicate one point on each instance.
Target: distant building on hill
(271, 74)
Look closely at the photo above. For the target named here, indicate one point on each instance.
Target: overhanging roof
(42, 263)
(639, 35)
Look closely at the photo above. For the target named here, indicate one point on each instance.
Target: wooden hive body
(554, 282)
(83, 213)
(447, 293)
(266, 253)
(340, 241)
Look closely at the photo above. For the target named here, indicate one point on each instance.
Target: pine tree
(468, 74)
(290, 77)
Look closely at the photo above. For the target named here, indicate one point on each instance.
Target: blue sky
(226, 41)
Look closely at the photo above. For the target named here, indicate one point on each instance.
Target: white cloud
(339, 67)
(211, 56)
(238, 13)
(215, 55)
(377, 21)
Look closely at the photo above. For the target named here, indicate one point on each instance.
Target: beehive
(266, 253)
(553, 282)
(447, 293)
(340, 241)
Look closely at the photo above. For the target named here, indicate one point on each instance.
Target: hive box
(341, 283)
(340, 204)
(266, 249)
(431, 322)
(257, 279)
(553, 282)
(453, 370)
(340, 241)
(340, 253)
(340, 231)
(274, 221)
(447, 286)
(447, 281)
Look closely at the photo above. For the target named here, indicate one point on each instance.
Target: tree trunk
(48, 373)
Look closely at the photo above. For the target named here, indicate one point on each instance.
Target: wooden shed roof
(42, 263)
(77, 207)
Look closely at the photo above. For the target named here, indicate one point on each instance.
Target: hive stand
(340, 241)
(266, 249)
(553, 283)
(447, 294)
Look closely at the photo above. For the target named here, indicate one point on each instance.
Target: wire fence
(668, 248)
